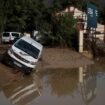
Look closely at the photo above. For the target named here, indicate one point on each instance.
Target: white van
(9, 37)
(24, 54)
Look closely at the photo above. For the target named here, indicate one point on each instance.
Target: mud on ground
(52, 58)
(62, 58)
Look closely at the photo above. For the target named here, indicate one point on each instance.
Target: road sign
(92, 15)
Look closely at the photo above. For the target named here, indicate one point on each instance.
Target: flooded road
(80, 86)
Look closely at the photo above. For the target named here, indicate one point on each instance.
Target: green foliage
(66, 26)
(20, 15)
(29, 15)
(101, 16)
(26, 15)
(61, 30)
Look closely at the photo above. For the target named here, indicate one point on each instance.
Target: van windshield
(27, 48)
(5, 34)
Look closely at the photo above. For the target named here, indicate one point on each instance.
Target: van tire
(27, 72)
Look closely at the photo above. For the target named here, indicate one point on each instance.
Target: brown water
(81, 86)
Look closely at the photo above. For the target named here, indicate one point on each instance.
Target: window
(27, 48)
(5, 34)
(15, 34)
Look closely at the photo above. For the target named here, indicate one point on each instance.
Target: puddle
(22, 91)
(81, 86)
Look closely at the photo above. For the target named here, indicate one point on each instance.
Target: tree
(29, 15)
(21, 15)
(61, 29)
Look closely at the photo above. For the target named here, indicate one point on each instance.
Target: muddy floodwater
(79, 86)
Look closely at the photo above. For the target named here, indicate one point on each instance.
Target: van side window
(15, 34)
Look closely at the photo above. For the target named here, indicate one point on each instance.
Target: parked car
(24, 54)
(10, 37)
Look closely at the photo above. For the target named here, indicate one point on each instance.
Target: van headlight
(33, 63)
(11, 50)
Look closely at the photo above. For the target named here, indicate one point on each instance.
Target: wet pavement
(79, 86)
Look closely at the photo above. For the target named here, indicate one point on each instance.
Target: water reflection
(88, 86)
(81, 86)
(76, 86)
(23, 91)
(62, 82)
